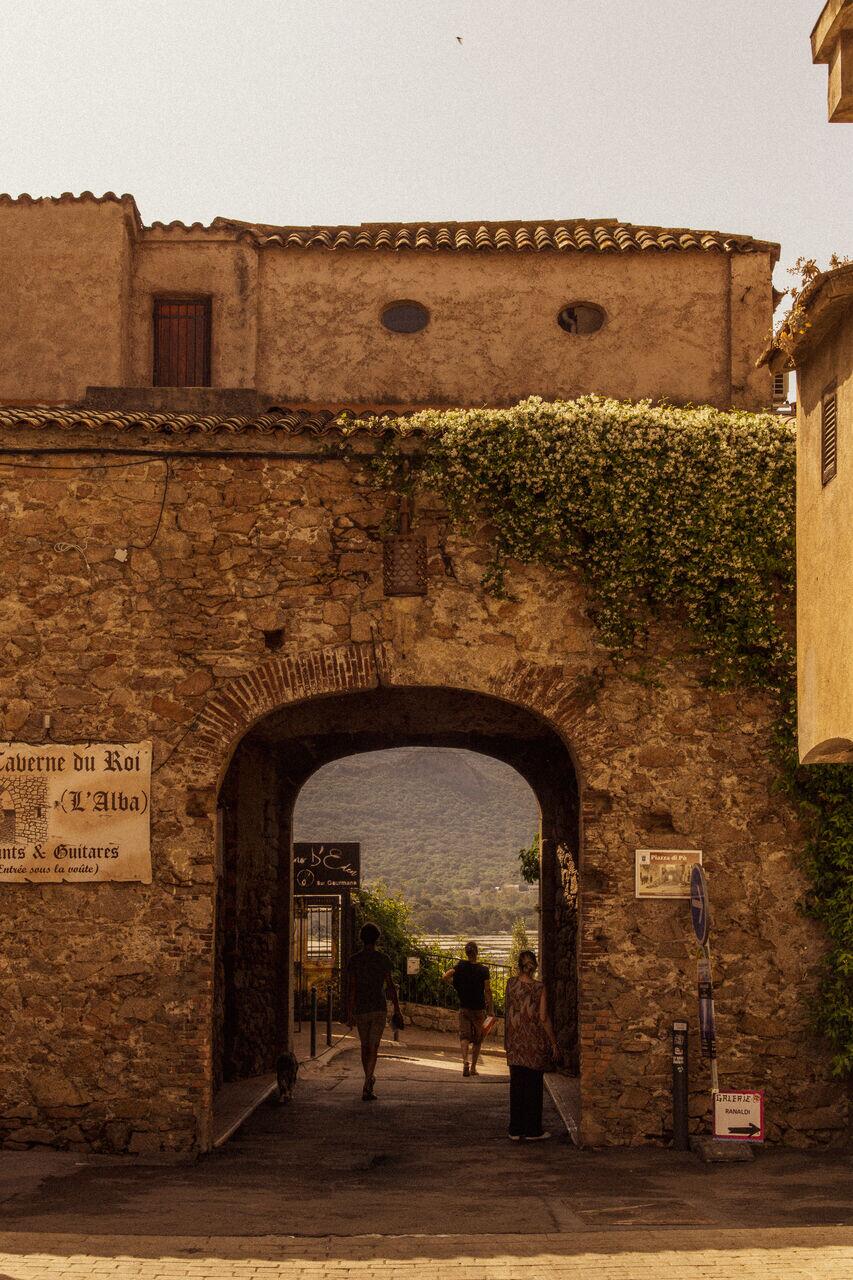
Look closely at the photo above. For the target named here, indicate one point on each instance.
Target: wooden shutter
(828, 437)
(181, 342)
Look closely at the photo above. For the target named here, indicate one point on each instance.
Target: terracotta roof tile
(605, 236)
(67, 197)
(589, 235)
(282, 421)
(818, 311)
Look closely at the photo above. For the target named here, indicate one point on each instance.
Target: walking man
(369, 986)
(472, 985)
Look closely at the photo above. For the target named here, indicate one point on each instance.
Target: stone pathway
(421, 1185)
(813, 1253)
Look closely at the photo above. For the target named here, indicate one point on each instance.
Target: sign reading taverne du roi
(75, 812)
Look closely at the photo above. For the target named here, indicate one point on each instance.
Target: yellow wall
(302, 326)
(64, 282)
(493, 336)
(218, 267)
(825, 555)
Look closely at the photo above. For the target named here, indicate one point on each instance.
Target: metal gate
(317, 943)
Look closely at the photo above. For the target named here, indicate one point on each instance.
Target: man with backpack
(471, 983)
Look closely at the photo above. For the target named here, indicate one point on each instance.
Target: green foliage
(520, 942)
(825, 794)
(529, 861)
(683, 513)
(393, 914)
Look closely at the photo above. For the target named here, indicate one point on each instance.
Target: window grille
(828, 437)
(181, 342)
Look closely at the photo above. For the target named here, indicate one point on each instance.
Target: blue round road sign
(699, 907)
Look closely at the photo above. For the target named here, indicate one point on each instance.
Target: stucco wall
(178, 263)
(493, 336)
(824, 552)
(751, 305)
(302, 326)
(106, 991)
(64, 280)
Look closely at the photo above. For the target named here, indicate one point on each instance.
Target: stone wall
(262, 589)
(431, 1018)
(24, 805)
(248, 994)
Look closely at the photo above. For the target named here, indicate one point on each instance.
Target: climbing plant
(685, 513)
(796, 321)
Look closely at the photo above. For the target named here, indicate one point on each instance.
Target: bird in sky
(459, 39)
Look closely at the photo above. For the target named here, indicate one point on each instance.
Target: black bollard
(313, 1022)
(329, 1014)
(680, 1131)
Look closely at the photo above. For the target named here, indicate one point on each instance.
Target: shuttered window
(828, 437)
(181, 342)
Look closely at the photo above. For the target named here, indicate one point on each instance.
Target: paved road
(422, 1183)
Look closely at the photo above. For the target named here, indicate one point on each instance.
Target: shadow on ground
(430, 1157)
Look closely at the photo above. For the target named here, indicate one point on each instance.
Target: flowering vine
(688, 512)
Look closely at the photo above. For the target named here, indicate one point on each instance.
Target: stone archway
(257, 797)
(199, 766)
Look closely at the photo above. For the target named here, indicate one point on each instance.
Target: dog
(286, 1069)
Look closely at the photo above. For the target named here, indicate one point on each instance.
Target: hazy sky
(675, 112)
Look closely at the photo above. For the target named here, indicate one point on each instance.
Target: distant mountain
(441, 826)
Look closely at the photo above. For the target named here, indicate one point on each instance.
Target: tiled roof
(583, 235)
(819, 308)
(562, 237)
(274, 422)
(67, 197)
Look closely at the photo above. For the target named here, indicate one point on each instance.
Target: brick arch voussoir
(233, 708)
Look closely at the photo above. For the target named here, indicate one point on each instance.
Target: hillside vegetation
(443, 827)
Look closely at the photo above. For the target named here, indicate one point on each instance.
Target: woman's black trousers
(525, 1102)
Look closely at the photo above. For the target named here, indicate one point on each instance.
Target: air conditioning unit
(781, 384)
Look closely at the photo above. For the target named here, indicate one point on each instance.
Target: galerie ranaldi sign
(75, 812)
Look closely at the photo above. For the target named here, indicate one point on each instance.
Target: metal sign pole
(680, 1115)
(700, 915)
(706, 1015)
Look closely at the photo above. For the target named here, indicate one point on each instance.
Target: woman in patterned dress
(527, 1039)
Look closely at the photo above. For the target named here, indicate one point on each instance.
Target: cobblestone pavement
(421, 1185)
(676, 1255)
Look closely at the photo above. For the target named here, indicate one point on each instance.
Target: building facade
(832, 44)
(293, 316)
(818, 342)
(203, 567)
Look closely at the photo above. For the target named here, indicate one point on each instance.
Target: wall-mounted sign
(664, 873)
(328, 867)
(739, 1116)
(78, 813)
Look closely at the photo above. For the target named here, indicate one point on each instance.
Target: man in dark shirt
(369, 986)
(472, 985)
